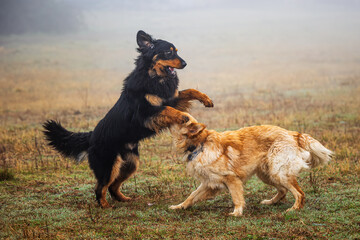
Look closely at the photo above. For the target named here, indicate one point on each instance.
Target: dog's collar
(194, 151)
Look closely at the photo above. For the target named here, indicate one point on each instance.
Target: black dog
(149, 102)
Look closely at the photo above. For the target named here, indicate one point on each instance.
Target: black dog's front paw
(184, 119)
(207, 102)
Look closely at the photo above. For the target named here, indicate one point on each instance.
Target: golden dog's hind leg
(281, 190)
(299, 195)
(278, 197)
(203, 192)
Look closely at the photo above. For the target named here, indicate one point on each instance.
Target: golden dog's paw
(174, 207)
(266, 202)
(292, 209)
(237, 212)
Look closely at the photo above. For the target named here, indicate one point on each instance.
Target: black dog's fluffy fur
(149, 102)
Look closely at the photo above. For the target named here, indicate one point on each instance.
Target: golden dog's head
(191, 133)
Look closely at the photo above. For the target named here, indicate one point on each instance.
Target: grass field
(43, 195)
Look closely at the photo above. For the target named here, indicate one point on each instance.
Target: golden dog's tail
(320, 155)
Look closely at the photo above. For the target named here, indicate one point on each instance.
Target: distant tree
(46, 16)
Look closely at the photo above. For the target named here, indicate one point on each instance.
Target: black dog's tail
(70, 144)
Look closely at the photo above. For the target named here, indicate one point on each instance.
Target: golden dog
(229, 159)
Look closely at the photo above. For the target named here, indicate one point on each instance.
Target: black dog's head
(162, 54)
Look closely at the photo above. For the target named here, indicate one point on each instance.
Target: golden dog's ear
(195, 128)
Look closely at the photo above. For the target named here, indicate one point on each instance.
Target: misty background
(244, 45)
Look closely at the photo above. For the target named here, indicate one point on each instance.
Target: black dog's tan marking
(176, 94)
(154, 100)
(149, 102)
(159, 66)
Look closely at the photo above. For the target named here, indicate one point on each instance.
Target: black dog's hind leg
(105, 176)
(100, 192)
(128, 168)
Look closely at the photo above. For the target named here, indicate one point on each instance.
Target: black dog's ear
(144, 40)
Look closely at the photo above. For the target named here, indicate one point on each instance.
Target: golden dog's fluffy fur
(228, 159)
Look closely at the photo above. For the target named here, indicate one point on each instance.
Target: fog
(212, 36)
(216, 36)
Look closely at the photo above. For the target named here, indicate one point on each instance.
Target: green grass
(60, 204)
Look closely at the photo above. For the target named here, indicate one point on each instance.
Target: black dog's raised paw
(184, 119)
(208, 102)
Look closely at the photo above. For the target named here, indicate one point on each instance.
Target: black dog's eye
(168, 53)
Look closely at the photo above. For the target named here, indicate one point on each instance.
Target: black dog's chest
(164, 88)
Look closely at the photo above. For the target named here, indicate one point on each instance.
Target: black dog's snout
(183, 64)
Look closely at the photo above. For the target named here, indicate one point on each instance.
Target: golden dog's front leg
(203, 192)
(236, 189)
(191, 199)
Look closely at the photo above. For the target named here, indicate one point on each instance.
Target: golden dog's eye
(168, 53)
